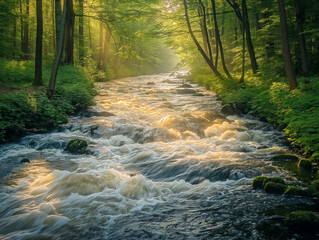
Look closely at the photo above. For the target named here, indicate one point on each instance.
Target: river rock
(198, 95)
(275, 188)
(96, 114)
(186, 91)
(305, 164)
(291, 157)
(77, 146)
(150, 83)
(25, 160)
(185, 85)
(233, 109)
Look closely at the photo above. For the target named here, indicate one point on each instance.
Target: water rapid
(165, 164)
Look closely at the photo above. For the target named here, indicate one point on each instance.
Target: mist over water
(165, 165)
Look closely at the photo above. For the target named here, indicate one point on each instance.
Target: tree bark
(302, 43)
(205, 35)
(100, 62)
(106, 47)
(58, 19)
(53, 25)
(290, 73)
(202, 28)
(242, 79)
(81, 34)
(250, 46)
(218, 39)
(21, 30)
(69, 34)
(58, 57)
(26, 54)
(200, 49)
(38, 52)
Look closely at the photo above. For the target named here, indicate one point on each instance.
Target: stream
(165, 164)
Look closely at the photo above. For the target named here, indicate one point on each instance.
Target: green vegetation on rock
(77, 146)
(305, 164)
(258, 182)
(303, 218)
(295, 191)
(285, 157)
(275, 188)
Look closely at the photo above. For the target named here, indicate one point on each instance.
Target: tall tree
(290, 73)
(38, 53)
(58, 56)
(81, 33)
(200, 49)
(69, 34)
(300, 15)
(58, 20)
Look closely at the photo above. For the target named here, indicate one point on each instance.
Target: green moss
(305, 164)
(274, 180)
(293, 190)
(257, 183)
(285, 157)
(77, 146)
(275, 188)
(302, 218)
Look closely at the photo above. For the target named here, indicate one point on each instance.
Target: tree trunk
(200, 49)
(38, 52)
(242, 79)
(206, 37)
(14, 39)
(218, 39)
(81, 34)
(69, 34)
(100, 62)
(58, 19)
(57, 60)
(290, 73)
(21, 30)
(223, 19)
(106, 47)
(90, 38)
(302, 43)
(202, 28)
(250, 45)
(26, 53)
(53, 26)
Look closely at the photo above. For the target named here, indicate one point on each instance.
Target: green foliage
(21, 111)
(273, 180)
(293, 190)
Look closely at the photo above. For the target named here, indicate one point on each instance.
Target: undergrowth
(25, 108)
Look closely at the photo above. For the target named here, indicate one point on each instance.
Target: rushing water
(166, 164)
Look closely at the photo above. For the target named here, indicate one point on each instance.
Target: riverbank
(26, 109)
(296, 112)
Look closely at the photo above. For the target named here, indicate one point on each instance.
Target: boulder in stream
(233, 109)
(276, 188)
(285, 157)
(25, 160)
(77, 146)
(186, 91)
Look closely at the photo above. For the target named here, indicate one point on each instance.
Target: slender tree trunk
(21, 30)
(218, 39)
(69, 34)
(202, 28)
(90, 38)
(53, 26)
(250, 45)
(290, 73)
(206, 37)
(100, 62)
(38, 52)
(223, 19)
(242, 79)
(58, 57)
(26, 52)
(236, 31)
(14, 39)
(302, 42)
(58, 19)
(200, 49)
(106, 47)
(81, 34)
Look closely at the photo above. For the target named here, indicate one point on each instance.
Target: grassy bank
(296, 112)
(24, 108)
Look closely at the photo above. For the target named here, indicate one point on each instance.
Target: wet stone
(25, 160)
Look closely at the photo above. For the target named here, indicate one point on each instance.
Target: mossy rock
(303, 218)
(275, 188)
(77, 146)
(305, 164)
(315, 184)
(273, 180)
(295, 191)
(198, 94)
(258, 182)
(291, 157)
